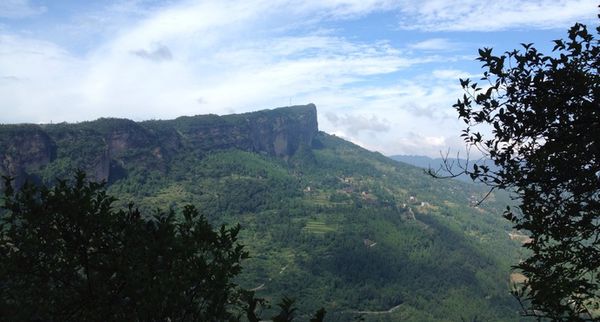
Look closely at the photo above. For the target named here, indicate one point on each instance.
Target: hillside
(325, 221)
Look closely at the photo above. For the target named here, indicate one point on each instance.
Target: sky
(383, 74)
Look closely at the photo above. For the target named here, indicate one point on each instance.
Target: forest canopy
(67, 255)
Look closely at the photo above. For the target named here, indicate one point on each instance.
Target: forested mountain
(325, 221)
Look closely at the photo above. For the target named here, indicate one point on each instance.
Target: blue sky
(383, 74)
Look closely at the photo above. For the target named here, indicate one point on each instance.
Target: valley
(325, 221)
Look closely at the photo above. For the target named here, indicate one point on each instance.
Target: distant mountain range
(437, 164)
(326, 221)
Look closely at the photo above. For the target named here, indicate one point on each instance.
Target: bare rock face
(277, 132)
(23, 150)
(105, 148)
(281, 134)
(100, 167)
(124, 135)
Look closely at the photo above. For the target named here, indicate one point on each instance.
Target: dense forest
(331, 224)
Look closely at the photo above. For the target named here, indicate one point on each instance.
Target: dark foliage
(67, 255)
(306, 221)
(538, 118)
(288, 311)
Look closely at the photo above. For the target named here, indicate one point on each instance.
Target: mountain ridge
(27, 148)
(328, 222)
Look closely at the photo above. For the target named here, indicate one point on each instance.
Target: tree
(67, 255)
(288, 311)
(537, 117)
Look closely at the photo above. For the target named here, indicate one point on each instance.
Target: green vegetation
(66, 255)
(333, 225)
(318, 227)
(311, 242)
(545, 116)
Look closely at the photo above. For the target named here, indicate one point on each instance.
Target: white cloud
(451, 74)
(413, 116)
(249, 74)
(14, 9)
(476, 15)
(435, 44)
(223, 54)
(45, 80)
(341, 8)
(433, 146)
(236, 56)
(415, 141)
(358, 123)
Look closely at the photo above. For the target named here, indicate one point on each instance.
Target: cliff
(106, 148)
(24, 149)
(277, 132)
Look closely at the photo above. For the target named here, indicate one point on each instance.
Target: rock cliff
(104, 148)
(23, 150)
(277, 132)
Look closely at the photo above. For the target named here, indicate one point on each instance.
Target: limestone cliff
(276, 132)
(106, 147)
(23, 150)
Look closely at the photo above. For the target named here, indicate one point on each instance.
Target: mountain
(326, 221)
(102, 147)
(437, 164)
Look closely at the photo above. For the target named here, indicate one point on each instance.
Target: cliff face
(277, 132)
(105, 148)
(23, 150)
(281, 135)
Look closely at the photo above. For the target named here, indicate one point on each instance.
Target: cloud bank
(143, 60)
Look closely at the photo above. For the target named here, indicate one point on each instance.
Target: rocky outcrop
(277, 132)
(99, 168)
(23, 150)
(123, 135)
(281, 134)
(104, 148)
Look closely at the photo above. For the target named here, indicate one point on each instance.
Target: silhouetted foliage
(67, 255)
(319, 316)
(288, 311)
(537, 117)
(251, 304)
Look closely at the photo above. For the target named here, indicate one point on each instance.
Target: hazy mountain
(326, 221)
(438, 164)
